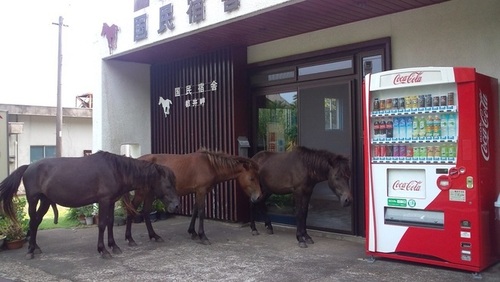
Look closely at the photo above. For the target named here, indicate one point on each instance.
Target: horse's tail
(8, 188)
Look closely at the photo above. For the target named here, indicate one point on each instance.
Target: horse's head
(338, 180)
(165, 190)
(248, 179)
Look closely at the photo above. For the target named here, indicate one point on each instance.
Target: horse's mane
(321, 159)
(219, 160)
(130, 167)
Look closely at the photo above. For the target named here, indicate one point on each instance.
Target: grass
(48, 219)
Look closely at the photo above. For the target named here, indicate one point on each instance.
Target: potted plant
(15, 232)
(88, 212)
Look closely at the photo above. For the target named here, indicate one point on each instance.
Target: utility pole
(59, 103)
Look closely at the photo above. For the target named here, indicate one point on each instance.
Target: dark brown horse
(74, 182)
(197, 173)
(297, 172)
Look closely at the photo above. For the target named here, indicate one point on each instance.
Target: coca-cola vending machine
(431, 173)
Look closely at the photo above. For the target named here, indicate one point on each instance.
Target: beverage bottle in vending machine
(444, 126)
(415, 129)
(389, 129)
(429, 127)
(402, 128)
(437, 127)
(395, 128)
(421, 127)
(382, 130)
(376, 130)
(409, 128)
(452, 125)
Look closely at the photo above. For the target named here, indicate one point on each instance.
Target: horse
(165, 103)
(111, 33)
(78, 181)
(196, 173)
(297, 172)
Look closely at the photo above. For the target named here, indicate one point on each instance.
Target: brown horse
(297, 172)
(74, 182)
(197, 173)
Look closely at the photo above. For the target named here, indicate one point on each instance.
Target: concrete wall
(122, 114)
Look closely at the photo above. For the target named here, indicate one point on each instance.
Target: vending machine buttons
(443, 182)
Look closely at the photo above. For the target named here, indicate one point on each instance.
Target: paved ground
(235, 255)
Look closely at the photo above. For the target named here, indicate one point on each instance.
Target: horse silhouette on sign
(111, 33)
(165, 103)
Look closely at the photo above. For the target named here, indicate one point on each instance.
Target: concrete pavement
(234, 255)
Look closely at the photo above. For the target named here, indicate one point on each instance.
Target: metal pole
(59, 104)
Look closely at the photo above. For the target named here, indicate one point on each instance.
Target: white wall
(454, 33)
(122, 111)
(40, 131)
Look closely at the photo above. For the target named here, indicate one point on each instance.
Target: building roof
(27, 110)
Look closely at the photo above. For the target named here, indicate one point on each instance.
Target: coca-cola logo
(413, 185)
(484, 134)
(414, 77)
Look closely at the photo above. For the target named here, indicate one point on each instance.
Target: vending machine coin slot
(466, 245)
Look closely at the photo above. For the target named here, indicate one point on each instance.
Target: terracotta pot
(14, 244)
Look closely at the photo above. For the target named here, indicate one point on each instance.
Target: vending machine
(431, 166)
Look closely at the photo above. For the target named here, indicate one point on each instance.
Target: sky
(29, 60)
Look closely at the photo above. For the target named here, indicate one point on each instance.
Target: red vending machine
(431, 166)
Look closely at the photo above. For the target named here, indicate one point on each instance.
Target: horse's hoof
(206, 242)
(132, 243)
(30, 256)
(270, 231)
(255, 232)
(117, 251)
(194, 236)
(309, 241)
(106, 255)
(37, 251)
(159, 239)
(302, 244)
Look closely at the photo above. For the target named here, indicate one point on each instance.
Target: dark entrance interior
(315, 101)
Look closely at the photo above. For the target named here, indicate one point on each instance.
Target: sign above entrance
(193, 94)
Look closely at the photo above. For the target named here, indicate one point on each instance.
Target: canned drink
(395, 103)
(402, 103)
(444, 151)
(376, 105)
(437, 152)
(421, 101)
(430, 151)
(428, 100)
(452, 151)
(451, 98)
(381, 104)
(389, 151)
(383, 152)
(409, 152)
(388, 104)
(407, 102)
(376, 150)
(435, 101)
(414, 104)
(443, 101)
(422, 151)
(416, 152)
(402, 151)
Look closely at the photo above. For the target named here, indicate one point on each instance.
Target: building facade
(179, 75)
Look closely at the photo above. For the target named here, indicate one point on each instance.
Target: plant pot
(14, 244)
(81, 219)
(89, 220)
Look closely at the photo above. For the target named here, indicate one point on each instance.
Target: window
(332, 114)
(42, 152)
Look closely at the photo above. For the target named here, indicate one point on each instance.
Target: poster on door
(275, 137)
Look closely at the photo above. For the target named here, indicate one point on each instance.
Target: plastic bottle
(429, 127)
(436, 127)
(395, 128)
(382, 130)
(409, 128)
(421, 127)
(376, 129)
(415, 125)
(452, 125)
(389, 129)
(444, 126)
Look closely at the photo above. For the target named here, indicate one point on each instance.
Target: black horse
(74, 182)
(297, 172)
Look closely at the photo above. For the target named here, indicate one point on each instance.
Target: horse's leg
(35, 219)
(259, 208)
(146, 210)
(200, 203)
(301, 204)
(253, 213)
(136, 201)
(191, 229)
(110, 220)
(104, 212)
